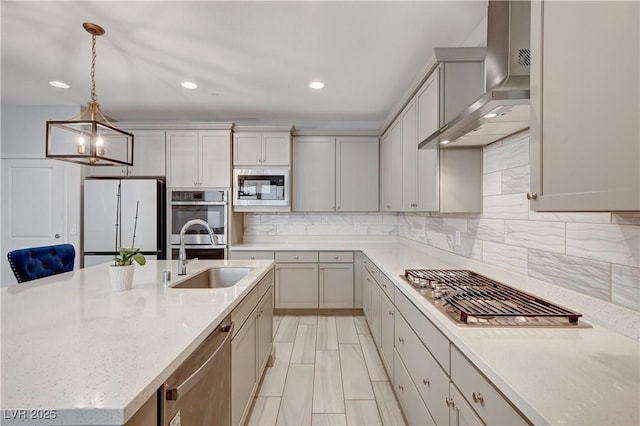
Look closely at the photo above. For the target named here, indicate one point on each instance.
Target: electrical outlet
(457, 238)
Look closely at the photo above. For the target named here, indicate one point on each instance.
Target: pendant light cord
(94, 96)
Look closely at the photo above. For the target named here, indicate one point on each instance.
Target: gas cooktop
(472, 299)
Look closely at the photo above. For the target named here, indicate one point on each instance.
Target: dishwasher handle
(172, 394)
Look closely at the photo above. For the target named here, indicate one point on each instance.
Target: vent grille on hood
(504, 108)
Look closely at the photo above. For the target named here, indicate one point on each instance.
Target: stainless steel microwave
(261, 188)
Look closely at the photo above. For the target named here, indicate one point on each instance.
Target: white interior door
(32, 207)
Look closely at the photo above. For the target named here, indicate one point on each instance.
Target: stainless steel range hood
(504, 108)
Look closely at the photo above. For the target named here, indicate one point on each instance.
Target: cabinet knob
(253, 257)
(401, 387)
(297, 257)
(401, 340)
(478, 398)
(449, 402)
(532, 196)
(336, 257)
(426, 381)
(384, 285)
(391, 313)
(388, 207)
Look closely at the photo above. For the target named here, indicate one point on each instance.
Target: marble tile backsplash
(597, 254)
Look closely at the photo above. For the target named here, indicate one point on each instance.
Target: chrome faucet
(182, 257)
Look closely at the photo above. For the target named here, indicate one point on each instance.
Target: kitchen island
(76, 353)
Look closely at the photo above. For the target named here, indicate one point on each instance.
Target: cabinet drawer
(373, 269)
(241, 312)
(485, 399)
(297, 256)
(430, 380)
(386, 285)
(430, 336)
(265, 284)
(251, 255)
(336, 256)
(412, 405)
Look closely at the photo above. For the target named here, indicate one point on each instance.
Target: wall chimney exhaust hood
(504, 108)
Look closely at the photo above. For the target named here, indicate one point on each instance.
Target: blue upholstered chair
(37, 262)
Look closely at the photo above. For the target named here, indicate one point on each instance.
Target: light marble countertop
(72, 345)
(553, 376)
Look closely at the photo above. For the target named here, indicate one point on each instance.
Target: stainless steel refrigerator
(144, 197)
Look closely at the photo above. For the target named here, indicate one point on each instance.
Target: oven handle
(198, 203)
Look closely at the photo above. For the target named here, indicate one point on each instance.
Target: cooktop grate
(474, 295)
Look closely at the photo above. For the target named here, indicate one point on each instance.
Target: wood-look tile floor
(326, 372)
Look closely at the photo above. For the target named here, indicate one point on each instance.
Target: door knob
(532, 196)
(57, 236)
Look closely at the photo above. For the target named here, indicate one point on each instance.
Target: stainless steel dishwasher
(199, 391)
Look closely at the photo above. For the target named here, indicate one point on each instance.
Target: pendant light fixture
(89, 138)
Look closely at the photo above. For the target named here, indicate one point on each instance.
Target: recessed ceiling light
(189, 85)
(59, 84)
(491, 115)
(444, 142)
(316, 85)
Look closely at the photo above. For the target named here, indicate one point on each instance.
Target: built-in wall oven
(260, 188)
(208, 205)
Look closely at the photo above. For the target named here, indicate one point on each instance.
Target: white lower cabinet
(296, 285)
(460, 413)
(490, 405)
(430, 380)
(387, 313)
(375, 324)
(414, 409)
(251, 345)
(336, 285)
(243, 369)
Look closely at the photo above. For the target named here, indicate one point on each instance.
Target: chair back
(37, 262)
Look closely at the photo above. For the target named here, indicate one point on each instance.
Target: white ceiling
(252, 60)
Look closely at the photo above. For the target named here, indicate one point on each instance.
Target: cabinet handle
(478, 398)
(532, 196)
(391, 313)
(426, 382)
(449, 402)
(384, 285)
(368, 279)
(401, 340)
(401, 387)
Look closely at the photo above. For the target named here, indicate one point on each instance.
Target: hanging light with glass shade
(90, 138)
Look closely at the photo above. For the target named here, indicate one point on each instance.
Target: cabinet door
(391, 165)
(247, 149)
(375, 313)
(428, 106)
(585, 138)
(243, 369)
(215, 159)
(182, 151)
(460, 413)
(297, 285)
(336, 285)
(412, 406)
(387, 313)
(357, 174)
(366, 294)
(148, 153)
(111, 171)
(428, 180)
(276, 149)
(264, 321)
(314, 174)
(409, 158)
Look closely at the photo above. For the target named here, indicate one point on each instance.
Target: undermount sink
(220, 277)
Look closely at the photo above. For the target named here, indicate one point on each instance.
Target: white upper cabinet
(427, 106)
(148, 157)
(391, 168)
(314, 174)
(262, 149)
(357, 174)
(585, 106)
(335, 174)
(409, 157)
(199, 158)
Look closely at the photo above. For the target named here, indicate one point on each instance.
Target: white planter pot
(121, 277)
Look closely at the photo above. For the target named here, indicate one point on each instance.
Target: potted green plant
(122, 269)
